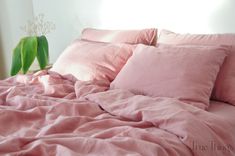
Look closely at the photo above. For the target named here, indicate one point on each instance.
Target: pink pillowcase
(224, 89)
(89, 61)
(144, 36)
(185, 73)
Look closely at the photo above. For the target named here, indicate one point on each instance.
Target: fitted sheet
(223, 110)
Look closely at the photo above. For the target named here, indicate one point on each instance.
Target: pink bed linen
(185, 73)
(47, 114)
(144, 36)
(223, 110)
(93, 60)
(224, 88)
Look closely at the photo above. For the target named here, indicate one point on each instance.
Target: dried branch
(37, 26)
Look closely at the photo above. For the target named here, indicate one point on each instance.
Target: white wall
(13, 14)
(194, 16)
(71, 16)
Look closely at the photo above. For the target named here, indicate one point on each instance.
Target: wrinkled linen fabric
(49, 114)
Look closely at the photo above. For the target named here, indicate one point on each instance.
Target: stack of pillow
(100, 54)
(190, 67)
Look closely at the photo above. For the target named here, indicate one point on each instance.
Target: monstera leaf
(25, 52)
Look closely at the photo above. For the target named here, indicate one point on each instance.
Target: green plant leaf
(28, 52)
(42, 54)
(16, 59)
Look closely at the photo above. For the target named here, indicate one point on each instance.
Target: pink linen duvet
(47, 114)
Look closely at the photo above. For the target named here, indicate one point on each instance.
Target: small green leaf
(28, 52)
(16, 59)
(42, 54)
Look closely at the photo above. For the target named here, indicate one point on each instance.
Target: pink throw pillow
(144, 36)
(185, 73)
(224, 89)
(89, 61)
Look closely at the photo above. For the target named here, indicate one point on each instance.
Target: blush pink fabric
(144, 36)
(92, 60)
(185, 73)
(206, 129)
(224, 89)
(47, 114)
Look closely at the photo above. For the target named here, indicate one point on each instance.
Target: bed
(119, 112)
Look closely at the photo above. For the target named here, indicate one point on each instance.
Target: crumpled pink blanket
(48, 114)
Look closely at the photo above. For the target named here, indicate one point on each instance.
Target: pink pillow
(224, 89)
(93, 61)
(185, 73)
(144, 36)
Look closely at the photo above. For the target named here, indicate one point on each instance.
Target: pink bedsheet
(47, 114)
(224, 111)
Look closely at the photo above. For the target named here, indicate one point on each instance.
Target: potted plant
(35, 45)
